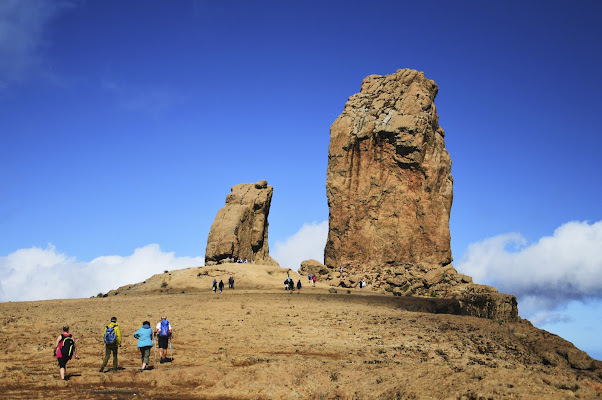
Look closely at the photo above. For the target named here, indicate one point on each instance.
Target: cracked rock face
(240, 229)
(389, 188)
(389, 182)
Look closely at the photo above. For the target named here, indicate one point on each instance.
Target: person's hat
(114, 319)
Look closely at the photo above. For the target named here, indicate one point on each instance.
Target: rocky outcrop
(389, 182)
(389, 189)
(316, 268)
(240, 229)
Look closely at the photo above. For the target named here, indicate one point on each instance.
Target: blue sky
(124, 125)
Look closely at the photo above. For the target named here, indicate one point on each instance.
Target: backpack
(67, 346)
(164, 328)
(110, 337)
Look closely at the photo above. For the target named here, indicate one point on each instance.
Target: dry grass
(260, 342)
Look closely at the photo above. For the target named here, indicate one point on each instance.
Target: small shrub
(164, 284)
(166, 271)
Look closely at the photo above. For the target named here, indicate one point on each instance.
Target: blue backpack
(110, 337)
(164, 328)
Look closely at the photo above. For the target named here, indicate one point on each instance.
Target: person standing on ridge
(145, 342)
(64, 349)
(221, 286)
(112, 340)
(163, 331)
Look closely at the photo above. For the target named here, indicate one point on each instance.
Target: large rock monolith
(389, 182)
(240, 229)
(389, 188)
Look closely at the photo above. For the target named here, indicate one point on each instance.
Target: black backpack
(67, 346)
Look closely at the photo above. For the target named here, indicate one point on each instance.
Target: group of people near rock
(65, 349)
(289, 284)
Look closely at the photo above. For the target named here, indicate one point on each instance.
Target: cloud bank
(545, 275)
(307, 243)
(42, 274)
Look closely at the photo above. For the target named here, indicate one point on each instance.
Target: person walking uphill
(145, 342)
(112, 340)
(64, 349)
(163, 331)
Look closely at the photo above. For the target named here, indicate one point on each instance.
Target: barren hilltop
(258, 341)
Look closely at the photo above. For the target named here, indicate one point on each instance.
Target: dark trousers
(108, 350)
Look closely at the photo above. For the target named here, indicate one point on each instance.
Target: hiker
(313, 280)
(214, 286)
(291, 284)
(112, 340)
(221, 286)
(230, 283)
(299, 284)
(286, 284)
(163, 331)
(145, 342)
(309, 277)
(64, 349)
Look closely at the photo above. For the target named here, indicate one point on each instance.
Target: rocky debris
(389, 189)
(552, 349)
(316, 268)
(240, 229)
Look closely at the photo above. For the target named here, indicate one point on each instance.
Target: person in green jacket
(112, 340)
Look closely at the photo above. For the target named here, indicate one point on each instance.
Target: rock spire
(389, 189)
(240, 229)
(389, 182)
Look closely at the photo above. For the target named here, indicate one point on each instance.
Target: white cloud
(545, 275)
(307, 243)
(22, 24)
(41, 274)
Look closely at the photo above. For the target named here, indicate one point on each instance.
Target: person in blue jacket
(145, 342)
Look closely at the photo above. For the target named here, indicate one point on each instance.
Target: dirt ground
(265, 343)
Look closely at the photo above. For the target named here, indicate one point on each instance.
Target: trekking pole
(155, 343)
(170, 352)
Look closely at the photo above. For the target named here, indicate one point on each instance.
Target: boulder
(240, 229)
(316, 268)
